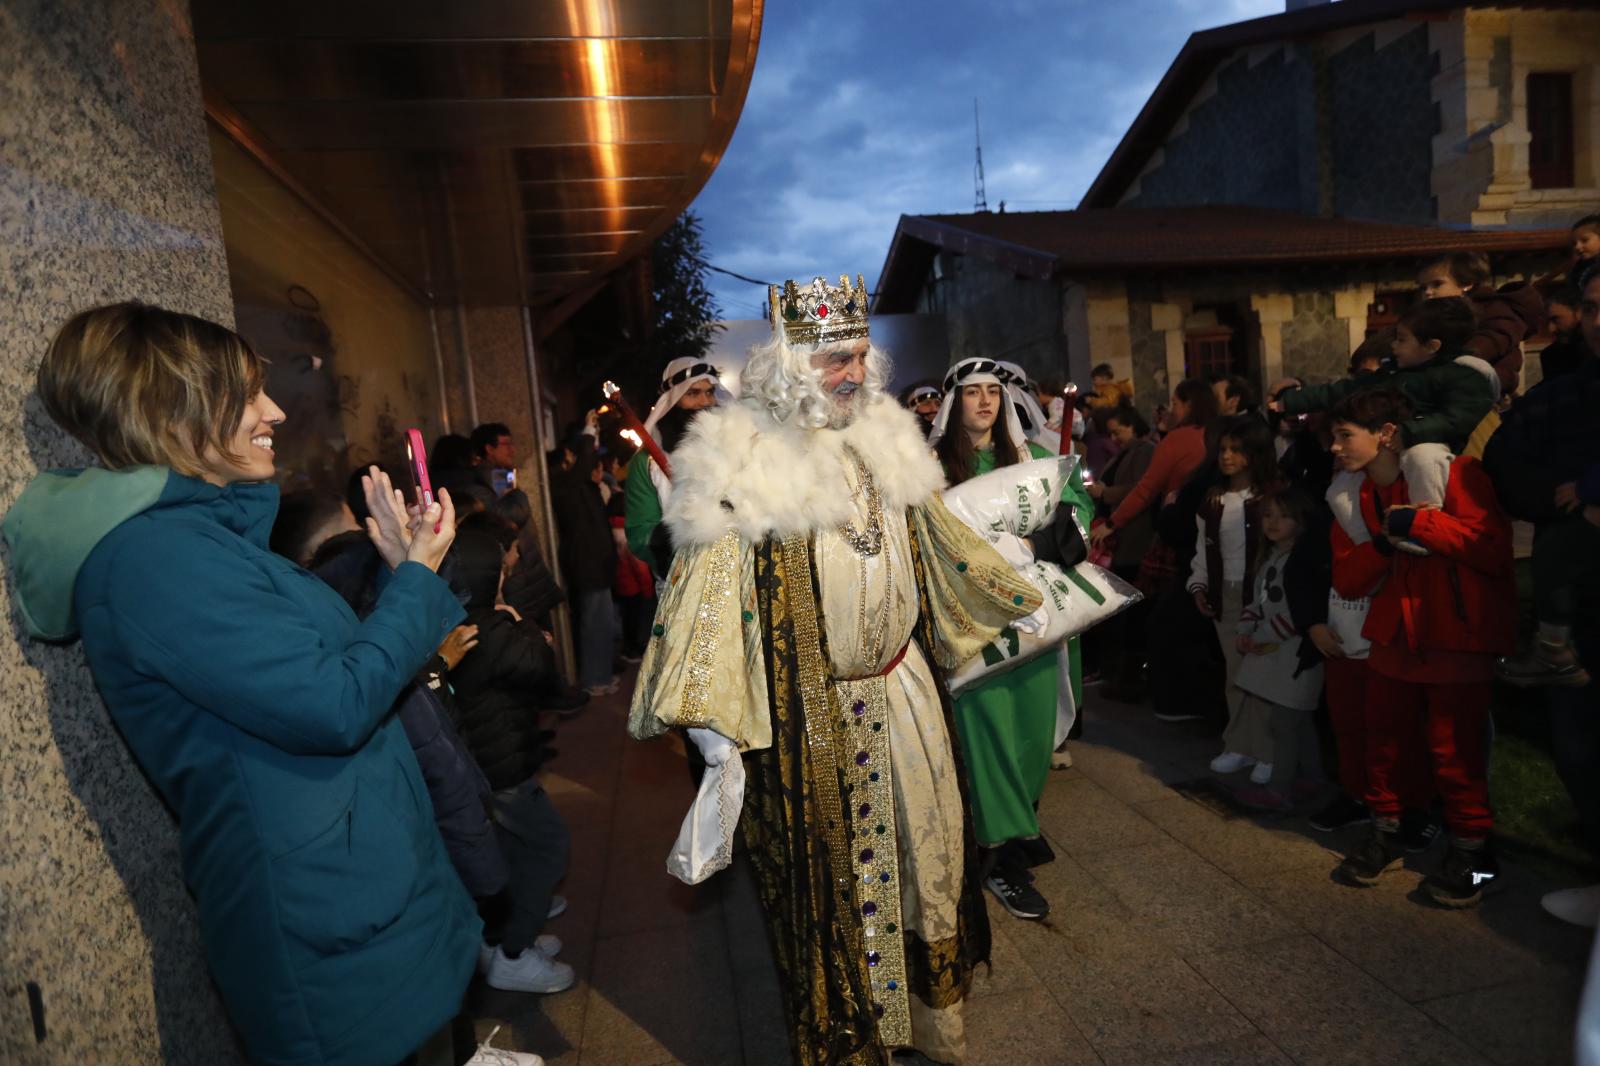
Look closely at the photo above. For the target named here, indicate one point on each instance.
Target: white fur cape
(739, 469)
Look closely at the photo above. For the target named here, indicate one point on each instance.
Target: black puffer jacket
(498, 684)
(1550, 436)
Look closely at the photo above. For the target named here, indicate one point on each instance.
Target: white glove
(1014, 550)
(705, 841)
(715, 748)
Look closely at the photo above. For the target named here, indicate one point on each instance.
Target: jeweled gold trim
(820, 313)
(710, 624)
(883, 931)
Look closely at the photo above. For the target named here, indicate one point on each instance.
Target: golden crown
(820, 313)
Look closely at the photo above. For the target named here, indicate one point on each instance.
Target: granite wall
(1383, 120)
(1253, 141)
(991, 311)
(106, 194)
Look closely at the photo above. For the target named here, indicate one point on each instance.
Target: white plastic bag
(1074, 601)
(1016, 501)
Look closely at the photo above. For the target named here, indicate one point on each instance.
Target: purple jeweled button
(866, 809)
(872, 958)
(858, 708)
(862, 758)
(869, 909)
(866, 854)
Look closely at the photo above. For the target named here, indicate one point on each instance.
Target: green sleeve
(1456, 399)
(1310, 398)
(642, 508)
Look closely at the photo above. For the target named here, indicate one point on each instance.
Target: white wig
(780, 378)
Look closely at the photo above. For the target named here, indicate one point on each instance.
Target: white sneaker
(1261, 774)
(558, 906)
(493, 1056)
(532, 971)
(548, 943)
(1579, 906)
(1061, 760)
(1230, 762)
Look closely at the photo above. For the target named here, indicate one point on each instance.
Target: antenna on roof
(980, 201)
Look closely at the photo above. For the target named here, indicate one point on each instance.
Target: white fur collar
(739, 469)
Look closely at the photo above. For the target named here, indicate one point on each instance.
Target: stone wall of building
(1316, 342)
(1382, 122)
(106, 194)
(1252, 140)
(992, 312)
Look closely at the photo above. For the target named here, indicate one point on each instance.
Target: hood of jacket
(64, 514)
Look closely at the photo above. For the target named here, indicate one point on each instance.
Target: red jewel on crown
(822, 310)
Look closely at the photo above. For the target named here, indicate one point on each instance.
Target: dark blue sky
(862, 112)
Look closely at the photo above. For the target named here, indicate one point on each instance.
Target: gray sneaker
(532, 971)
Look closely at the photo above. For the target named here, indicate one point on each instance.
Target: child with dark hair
(1106, 390)
(1436, 625)
(1505, 316)
(306, 520)
(1450, 392)
(497, 689)
(1585, 250)
(1280, 676)
(1222, 578)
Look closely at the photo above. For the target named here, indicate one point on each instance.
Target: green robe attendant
(1007, 724)
(642, 509)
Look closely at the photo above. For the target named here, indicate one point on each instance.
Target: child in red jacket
(1437, 624)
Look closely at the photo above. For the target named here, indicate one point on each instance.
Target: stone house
(1271, 203)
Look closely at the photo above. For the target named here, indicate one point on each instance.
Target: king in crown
(791, 646)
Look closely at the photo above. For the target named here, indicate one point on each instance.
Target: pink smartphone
(417, 458)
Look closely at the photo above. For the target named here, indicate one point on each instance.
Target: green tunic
(642, 509)
(1007, 725)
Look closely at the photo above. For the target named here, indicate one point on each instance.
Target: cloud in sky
(859, 113)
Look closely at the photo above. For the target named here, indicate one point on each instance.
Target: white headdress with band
(676, 380)
(976, 370)
(1035, 422)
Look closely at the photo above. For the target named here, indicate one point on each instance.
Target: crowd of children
(1348, 546)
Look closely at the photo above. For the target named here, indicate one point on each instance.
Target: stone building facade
(1272, 203)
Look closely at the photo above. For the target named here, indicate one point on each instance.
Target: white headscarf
(976, 370)
(1033, 415)
(676, 379)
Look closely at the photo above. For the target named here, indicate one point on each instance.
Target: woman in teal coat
(335, 928)
(1007, 724)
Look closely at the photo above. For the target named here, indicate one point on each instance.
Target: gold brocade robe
(855, 819)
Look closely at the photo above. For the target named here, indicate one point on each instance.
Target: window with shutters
(1550, 130)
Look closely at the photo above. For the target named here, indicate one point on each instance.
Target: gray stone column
(106, 193)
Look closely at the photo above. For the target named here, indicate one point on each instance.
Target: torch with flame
(635, 430)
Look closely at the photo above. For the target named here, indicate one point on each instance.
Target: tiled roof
(1120, 239)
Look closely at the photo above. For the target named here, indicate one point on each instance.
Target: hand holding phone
(417, 462)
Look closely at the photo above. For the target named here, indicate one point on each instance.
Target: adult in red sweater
(1180, 453)
(1437, 624)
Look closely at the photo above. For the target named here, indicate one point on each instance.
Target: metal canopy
(486, 151)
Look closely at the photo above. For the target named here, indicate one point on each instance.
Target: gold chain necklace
(867, 543)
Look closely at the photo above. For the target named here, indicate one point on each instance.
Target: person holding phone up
(247, 689)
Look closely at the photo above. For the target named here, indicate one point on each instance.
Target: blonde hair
(141, 385)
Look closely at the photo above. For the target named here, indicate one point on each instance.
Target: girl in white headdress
(1009, 724)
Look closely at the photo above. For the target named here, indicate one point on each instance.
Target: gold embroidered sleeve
(973, 592)
(705, 650)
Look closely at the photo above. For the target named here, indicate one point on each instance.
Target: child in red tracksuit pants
(1437, 624)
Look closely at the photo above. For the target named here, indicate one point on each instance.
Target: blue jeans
(597, 648)
(535, 841)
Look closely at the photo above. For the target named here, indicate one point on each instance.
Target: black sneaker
(1017, 895)
(1381, 852)
(1464, 876)
(1342, 813)
(1418, 829)
(1546, 664)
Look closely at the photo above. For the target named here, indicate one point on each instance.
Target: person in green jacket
(1008, 723)
(688, 386)
(1450, 388)
(258, 705)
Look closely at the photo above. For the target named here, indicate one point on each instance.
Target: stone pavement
(1179, 933)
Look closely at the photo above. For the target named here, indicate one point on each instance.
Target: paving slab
(1525, 1023)
(1025, 1028)
(1244, 848)
(1082, 818)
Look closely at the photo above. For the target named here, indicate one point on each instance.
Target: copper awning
(487, 151)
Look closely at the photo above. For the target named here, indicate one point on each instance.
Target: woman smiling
(248, 691)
